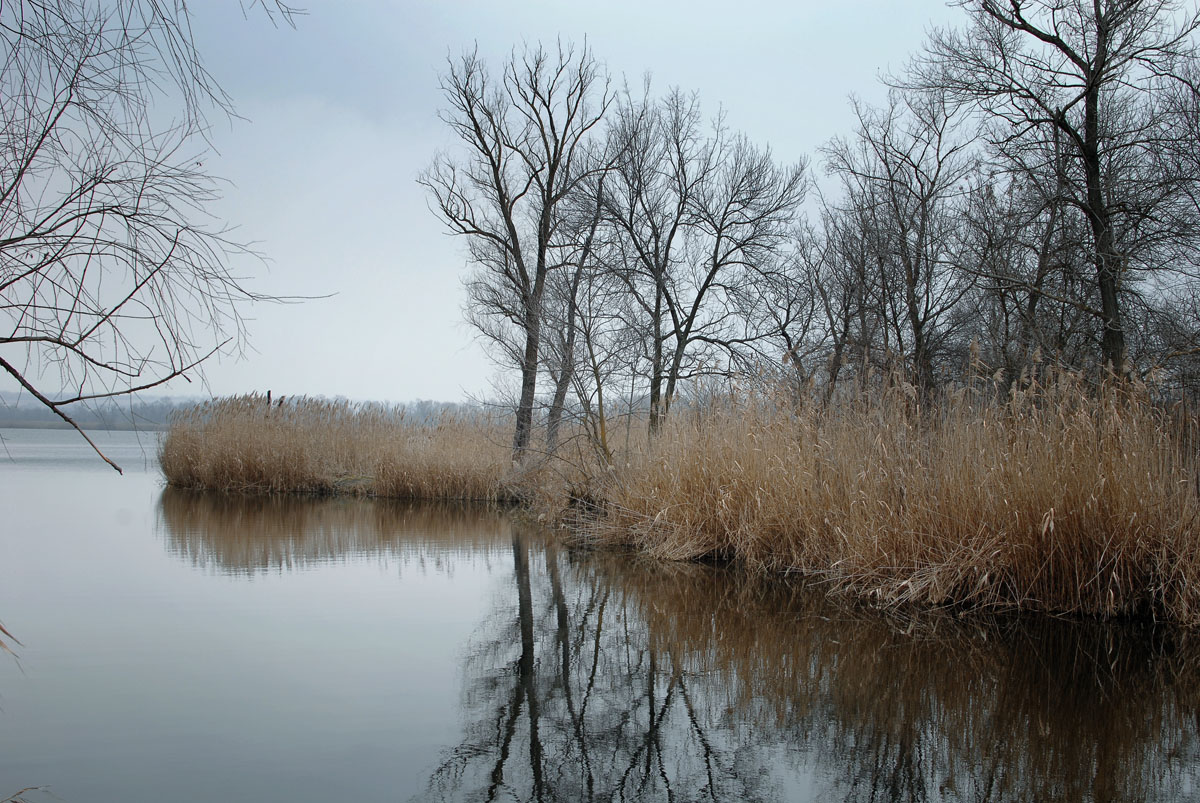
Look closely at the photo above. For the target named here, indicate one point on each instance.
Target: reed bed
(1058, 498)
(301, 445)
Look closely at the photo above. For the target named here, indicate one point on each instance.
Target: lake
(182, 646)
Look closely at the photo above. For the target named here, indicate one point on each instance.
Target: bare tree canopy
(903, 178)
(1028, 197)
(1075, 88)
(524, 133)
(112, 277)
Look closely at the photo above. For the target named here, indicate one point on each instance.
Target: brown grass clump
(304, 445)
(1057, 499)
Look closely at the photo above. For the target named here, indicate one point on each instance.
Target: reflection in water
(605, 677)
(234, 534)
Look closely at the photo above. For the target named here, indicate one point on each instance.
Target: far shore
(90, 427)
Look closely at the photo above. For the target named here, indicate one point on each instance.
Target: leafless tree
(608, 345)
(1033, 298)
(695, 214)
(1085, 73)
(842, 271)
(112, 278)
(784, 304)
(903, 176)
(563, 310)
(742, 296)
(524, 133)
(663, 158)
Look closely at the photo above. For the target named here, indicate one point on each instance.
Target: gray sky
(341, 116)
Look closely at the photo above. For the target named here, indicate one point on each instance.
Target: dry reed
(304, 445)
(1057, 498)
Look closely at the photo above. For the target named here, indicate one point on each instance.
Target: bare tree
(1033, 296)
(745, 216)
(524, 133)
(112, 279)
(784, 303)
(1086, 72)
(563, 311)
(700, 219)
(662, 159)
(904, 175)
(610, 350)
(842, 269)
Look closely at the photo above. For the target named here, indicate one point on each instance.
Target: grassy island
(1057, 498)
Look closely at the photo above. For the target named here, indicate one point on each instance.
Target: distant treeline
(19, 410)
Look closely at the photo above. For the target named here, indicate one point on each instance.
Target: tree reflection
(567, 698)
(601, 677)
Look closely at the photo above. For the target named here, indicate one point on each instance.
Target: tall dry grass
(1058, 498)
(303, 445)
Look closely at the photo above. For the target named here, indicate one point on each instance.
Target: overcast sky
(341, 116)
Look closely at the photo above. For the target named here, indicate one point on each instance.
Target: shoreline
(1058, 502)
(86, 427)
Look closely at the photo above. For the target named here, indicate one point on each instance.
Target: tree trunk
(529, 372)
(567, 372)
(1107, 260)
(656, 368)
(922, 359)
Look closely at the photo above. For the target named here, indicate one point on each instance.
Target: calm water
(182, 647)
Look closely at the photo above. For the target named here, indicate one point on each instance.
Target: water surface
(182, 646)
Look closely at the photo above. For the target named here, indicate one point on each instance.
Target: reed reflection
(602, 677)
(248, 535)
